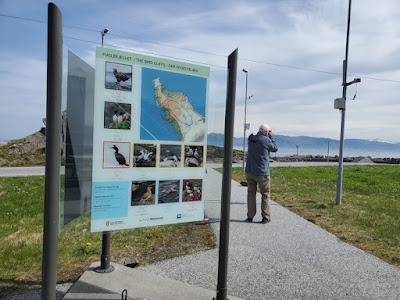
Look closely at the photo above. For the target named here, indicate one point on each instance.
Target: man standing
(257, 172)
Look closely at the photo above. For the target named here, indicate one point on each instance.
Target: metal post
(245, 112)
(327, 157)
(343, 113)
(53, 152)
(227, 175)
(105, 266)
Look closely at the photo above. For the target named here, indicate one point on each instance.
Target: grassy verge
(369, 217)
(21, 217)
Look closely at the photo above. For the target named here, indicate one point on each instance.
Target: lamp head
(244, 70)
(104, 31)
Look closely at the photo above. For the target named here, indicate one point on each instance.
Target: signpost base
(108, 270)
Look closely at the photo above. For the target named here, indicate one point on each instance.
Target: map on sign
(173, 106)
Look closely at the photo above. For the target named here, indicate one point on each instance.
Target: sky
(293, 51)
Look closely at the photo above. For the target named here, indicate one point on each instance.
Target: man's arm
(271, 145)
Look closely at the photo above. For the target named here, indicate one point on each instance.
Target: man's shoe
(249, 220)
(265, 221)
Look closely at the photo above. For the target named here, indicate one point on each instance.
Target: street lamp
(105, 266)
(340, 104)
(245, 125)
(103, 33)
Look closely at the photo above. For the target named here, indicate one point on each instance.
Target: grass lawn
(21, 217)
(369, 217)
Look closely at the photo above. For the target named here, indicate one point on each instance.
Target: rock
(130, 262)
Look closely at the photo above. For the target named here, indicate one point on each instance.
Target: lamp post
(103, 33)
(245, 114)
(327, 156)
(105, 266)
(340, 104)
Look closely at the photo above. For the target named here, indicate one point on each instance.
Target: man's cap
(264, 127)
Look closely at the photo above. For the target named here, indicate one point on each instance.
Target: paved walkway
(289, 258)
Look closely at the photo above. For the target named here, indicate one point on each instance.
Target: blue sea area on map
(153, 124)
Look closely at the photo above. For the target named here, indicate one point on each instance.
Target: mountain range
(319, 146)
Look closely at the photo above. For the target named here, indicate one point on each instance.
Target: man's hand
(270, 133)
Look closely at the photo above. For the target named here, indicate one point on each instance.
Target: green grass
(21, 218)
(369, 216)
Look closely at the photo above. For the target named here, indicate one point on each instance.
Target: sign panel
(149, 141)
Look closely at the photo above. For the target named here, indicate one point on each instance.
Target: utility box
(340, 103)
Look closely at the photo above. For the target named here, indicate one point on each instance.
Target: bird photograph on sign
(143, 192)
(193, 156)
(117, 115)
(116, 154)
(170, 156)
(118, 76)
(192, 190)
(168, 191)
(144, 155)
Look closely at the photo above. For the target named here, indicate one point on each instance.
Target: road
(24, 171)
(39, 170)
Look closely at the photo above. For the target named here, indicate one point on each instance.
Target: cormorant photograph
(116, 154)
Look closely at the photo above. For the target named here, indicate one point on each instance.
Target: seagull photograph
(143, 192)
(193, 156)
(118, 76)
(168, 191)
(117, 115)
(144, 155)
(116, 154)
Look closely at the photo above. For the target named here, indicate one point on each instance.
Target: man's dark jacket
(259, 147)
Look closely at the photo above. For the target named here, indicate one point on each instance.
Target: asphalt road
(24, 171)
(39, 171)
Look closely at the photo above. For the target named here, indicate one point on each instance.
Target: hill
(315, 146)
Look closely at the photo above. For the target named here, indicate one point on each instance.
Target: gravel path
(289, 258)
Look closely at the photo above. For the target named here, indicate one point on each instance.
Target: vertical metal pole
(226, 180)
(105, 251)
(105, 266)
(343, 111)
(244, 129)
(53, 152)
(327, 156)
